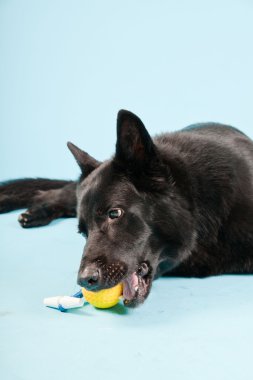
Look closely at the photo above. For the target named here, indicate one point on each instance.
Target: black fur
(46, 199)
(180, 204)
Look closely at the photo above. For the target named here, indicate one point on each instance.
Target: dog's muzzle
(136, 285)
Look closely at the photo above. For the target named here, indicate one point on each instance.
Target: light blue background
(66, 68)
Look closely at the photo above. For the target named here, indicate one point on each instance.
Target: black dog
(180, 204)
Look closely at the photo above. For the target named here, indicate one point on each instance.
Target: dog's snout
(89, 278)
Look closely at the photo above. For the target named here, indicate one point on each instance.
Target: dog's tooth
(136, 288)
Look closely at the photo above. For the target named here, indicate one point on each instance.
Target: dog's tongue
(129, 285)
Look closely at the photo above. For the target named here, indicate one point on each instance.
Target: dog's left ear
(134, 144)
(86, 163)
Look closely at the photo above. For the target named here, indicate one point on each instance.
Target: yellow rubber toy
(104, 299)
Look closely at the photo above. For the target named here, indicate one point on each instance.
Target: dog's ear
(134, 144)
(86, 163)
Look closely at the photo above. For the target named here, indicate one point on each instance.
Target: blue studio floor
(187, 329)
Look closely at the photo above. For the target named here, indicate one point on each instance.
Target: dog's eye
(115, 213)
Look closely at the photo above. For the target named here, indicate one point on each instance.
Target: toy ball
(104, 299)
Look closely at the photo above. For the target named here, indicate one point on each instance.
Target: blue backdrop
(66, 68)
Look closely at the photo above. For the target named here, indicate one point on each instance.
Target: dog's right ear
(86, 163)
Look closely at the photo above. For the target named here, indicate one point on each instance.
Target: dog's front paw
(33, 218)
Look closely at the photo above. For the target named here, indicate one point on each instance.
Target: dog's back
(219, 160)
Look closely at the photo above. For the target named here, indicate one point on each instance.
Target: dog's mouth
(137, 285)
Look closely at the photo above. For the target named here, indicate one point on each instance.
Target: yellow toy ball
(104, 299)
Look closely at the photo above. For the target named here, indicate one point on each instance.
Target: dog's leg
(49, 205)
(46, 199)
(20, 193)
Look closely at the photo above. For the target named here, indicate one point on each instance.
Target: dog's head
(130, 214)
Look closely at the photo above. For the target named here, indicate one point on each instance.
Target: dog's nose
(89, 278)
